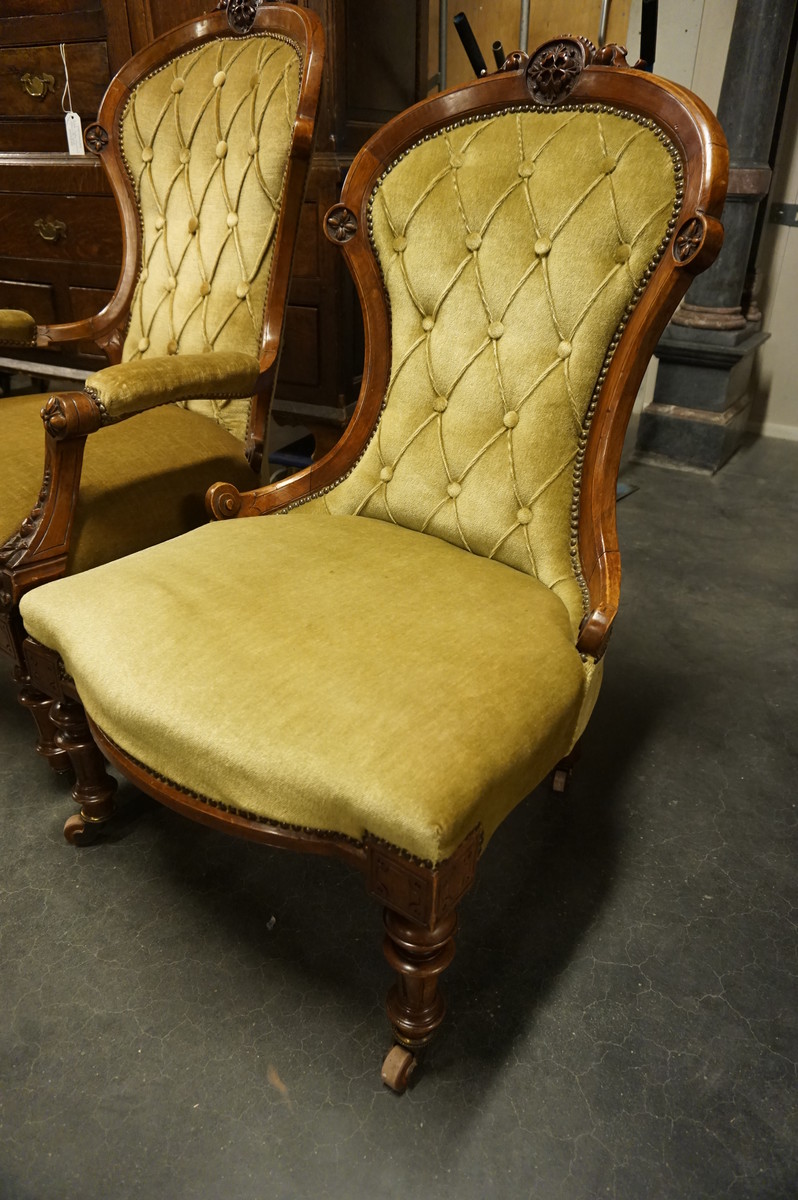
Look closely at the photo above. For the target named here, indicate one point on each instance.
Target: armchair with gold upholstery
(444, 582)
(206, 137)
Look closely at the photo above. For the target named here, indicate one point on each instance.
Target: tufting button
(219, 78)
(254, 80)
(242, 289)
(204, 288)
(221, 149)
(440, 404)
(232, 220)
(511, 419)
(146, 154)
(525, 169)
(542, 247)
(207, 348)
(474, 241)
(177, 85)
(564, 350)
(495, 330)
(523, 516)
(159, 222)
(185, 155)
(252, 146)
(623, 253)
(171, 347)
(145, 274)
(457, 160)
(454, 489)
(144, 344)
(193, 224)
(399, 244)
(427, 324)
(171, 283)
(386, 474)
(608, 164)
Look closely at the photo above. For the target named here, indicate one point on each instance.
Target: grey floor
(186, 1015)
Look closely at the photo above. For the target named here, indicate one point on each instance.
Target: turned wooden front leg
(94, 788)
(39, 706)
(419, 956)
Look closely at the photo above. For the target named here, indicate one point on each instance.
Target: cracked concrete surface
(186, 1015)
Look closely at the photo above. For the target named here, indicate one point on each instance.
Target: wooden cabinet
(376, 66)
(60, 237)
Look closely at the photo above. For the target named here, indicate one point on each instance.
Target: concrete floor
(189, 1016)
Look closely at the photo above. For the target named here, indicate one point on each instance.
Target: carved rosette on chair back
(518, 246)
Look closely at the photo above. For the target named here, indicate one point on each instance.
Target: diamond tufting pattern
(512, 249)
(206, 141)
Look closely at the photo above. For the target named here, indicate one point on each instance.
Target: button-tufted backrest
(206, 140)
(512, 249)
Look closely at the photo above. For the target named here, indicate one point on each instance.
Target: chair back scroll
(518, 249)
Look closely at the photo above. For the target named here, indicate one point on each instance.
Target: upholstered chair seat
(431, 602)
(474, 693)
(143, 480)
(206, 138)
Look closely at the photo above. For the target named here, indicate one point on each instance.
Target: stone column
(701, 401)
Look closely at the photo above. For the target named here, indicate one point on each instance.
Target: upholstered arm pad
(17, 328)
(132, 387)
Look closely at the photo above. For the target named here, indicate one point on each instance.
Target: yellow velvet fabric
(510, 248)
(17, 328)
(143, 480)
(422, 690)
(132, 387)
(206, 140)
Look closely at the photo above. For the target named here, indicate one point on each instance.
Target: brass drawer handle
(37, 85)
(50, 229)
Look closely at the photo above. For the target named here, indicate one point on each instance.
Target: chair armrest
(17, 328)
(133, 387)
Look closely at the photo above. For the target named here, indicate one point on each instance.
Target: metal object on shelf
(523, 34)
(603, 22)
(470, 45)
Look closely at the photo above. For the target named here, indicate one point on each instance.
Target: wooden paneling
(500, 20)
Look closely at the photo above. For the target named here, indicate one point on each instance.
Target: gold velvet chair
(206, 137)
(444, 582)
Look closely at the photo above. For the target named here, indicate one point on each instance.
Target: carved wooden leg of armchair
(415, 1006)
(94, 788)
(39, 706)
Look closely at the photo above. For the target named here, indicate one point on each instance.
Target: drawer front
(34, 298)
(38, 22)
(31, 86)
(62, 228)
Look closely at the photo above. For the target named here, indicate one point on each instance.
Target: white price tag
(74, 132)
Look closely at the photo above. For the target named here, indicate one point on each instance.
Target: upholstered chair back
(513, 248)
(206, 140)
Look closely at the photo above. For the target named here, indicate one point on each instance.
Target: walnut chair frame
(420, 899)
(38, 551)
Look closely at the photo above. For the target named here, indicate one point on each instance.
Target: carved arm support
(37, 552)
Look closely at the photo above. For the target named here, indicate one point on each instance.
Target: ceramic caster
(399, 1065)
(559, 780)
